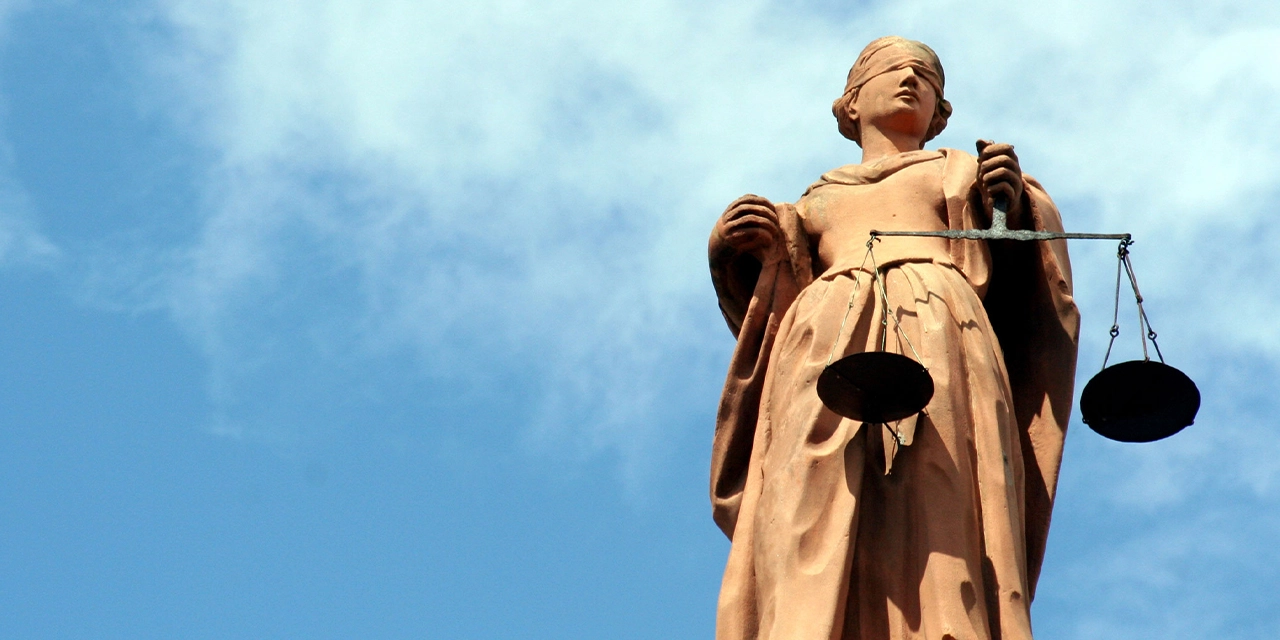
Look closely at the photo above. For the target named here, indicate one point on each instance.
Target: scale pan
(1139, 401)
(875, 387)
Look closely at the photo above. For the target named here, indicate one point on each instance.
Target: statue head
(885, 55)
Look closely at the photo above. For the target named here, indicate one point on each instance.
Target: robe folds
(931, 528)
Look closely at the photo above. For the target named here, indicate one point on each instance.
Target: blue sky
(391, 319)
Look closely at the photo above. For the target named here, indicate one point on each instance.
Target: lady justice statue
(932, 527)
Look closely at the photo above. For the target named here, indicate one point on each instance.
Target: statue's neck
(878, 144)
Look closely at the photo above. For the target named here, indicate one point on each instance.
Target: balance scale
(1135, 401)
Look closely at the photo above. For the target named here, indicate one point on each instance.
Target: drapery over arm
(1028, 297)
(753, 296)
(1032, 310)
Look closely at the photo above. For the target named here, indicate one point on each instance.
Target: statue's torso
(839, 218)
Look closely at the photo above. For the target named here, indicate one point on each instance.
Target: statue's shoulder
(849, 174)
(958, 156)
(959, 173)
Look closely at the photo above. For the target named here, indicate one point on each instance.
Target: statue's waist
(882, 260)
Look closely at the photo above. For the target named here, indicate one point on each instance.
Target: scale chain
(852, 298)
(1145, 331)
(1143, 320)
(1121, 254)
(1137, 296)
(884, 336)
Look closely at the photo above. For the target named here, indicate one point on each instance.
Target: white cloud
(21, 242)
(539, 178)
(513, 186)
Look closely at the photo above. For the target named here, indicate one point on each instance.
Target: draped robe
(933, 527)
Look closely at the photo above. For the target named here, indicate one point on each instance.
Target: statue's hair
(914, 54)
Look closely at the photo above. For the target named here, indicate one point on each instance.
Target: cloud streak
(21, 241)
(518, 195)
(538, 179)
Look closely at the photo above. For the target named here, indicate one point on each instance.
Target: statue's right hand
(750, 225)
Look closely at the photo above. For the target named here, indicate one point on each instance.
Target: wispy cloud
(535, 182)
(518, 195)
(21, 241)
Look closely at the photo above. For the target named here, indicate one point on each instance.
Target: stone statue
(933, 527)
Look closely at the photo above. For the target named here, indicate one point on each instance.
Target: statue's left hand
(1000, 175)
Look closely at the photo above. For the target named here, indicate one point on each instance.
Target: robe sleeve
(1027, 293)
(754, 296)
(1030, 304)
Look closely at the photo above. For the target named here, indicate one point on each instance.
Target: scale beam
(1006, 234)
(1000, 231)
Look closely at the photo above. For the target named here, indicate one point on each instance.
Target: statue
(933, 527)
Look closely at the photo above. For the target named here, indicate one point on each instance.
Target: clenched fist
(750, 225)
(1000, 176)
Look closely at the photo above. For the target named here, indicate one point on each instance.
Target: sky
(391, 319)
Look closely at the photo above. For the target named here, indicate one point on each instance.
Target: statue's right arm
(746, 237)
